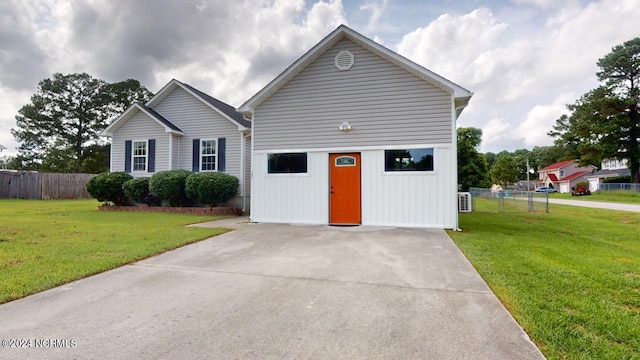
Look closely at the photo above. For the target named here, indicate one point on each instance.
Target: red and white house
(563, 175)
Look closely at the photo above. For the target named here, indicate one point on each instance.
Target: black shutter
(195, 167)
(222, 152)
(152, 156)
(127, 156)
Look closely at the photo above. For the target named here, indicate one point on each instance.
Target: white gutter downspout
(454, 146)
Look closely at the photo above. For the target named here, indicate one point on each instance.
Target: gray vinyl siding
(384, 103)
(140, 127)
(176, 155)
(198, 121)
(247, 165)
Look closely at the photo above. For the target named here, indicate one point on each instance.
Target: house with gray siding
(353, 133)
(182, 128)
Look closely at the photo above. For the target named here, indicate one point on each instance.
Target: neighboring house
(182, 128)
(353, 133)
(563, 175)
(609, 168)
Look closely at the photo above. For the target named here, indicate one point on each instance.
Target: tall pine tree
(59, 130)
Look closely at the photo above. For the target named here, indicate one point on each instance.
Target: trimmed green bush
(212, 188)
(107, 186)
(138, 190)
(169, 186)
(617, 180)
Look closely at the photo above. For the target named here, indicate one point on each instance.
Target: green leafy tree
(491, 159)
(520, 158)
(59, 130)
(542, 156)
(504, 170)
(605, 122)
(472, 165)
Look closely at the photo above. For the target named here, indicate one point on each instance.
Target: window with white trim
(209, 155)
(139, 155)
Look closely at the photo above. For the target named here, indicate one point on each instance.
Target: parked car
(580, 189)
(546, 190)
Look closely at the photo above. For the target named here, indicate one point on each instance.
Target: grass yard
(44, 244)
(626, 197)
(570, 277)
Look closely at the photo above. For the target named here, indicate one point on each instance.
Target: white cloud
(496, 130)
(229, 49)
(523, 61)
(518, 72)
(377, 9)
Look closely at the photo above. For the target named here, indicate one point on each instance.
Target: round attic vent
(344, 60)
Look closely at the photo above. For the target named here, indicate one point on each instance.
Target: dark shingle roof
(225, 108)
(159, 117)
(615, 172)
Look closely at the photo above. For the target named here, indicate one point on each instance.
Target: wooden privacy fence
(43, 186)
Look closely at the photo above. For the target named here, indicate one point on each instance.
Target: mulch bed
(216, 211)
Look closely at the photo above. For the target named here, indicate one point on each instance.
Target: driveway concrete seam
(313, 279)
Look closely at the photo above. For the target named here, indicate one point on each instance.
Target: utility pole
(528, 169)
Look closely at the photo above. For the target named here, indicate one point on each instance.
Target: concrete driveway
(267, 291)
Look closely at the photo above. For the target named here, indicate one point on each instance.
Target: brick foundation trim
(216, 211)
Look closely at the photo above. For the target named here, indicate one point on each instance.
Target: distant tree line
(482, 170)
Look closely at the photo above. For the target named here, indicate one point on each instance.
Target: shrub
(138, 191)
(212, 188)
(107, 186)
(169, 186)
(617, 180)
(583, 184)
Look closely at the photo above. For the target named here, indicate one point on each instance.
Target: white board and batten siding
(388, 108)
(140, 127)
(199, 121)
(411, 199)
(291, 198)
(414, 199)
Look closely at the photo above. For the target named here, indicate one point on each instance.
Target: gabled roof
(134, 109)
(227, 111)
(574, 175)
(557, 165)
(460, 94)
(610, 173)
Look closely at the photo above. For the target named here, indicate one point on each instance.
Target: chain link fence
(619, 187)
(509, 200)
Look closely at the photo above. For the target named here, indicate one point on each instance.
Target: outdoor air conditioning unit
(464, 202)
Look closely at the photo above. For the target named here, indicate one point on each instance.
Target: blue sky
(523, 59)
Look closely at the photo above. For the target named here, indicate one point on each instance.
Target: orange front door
(344, 189)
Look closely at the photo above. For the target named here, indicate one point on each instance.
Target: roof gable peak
(225, 110)
(460, 94)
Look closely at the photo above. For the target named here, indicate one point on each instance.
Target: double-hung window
(208, 155)
(139, 156)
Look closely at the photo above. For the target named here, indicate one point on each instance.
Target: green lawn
(627, 197)
(570, 277)
(44, 244)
